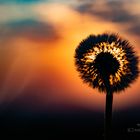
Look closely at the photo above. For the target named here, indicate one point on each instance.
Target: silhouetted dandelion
(109, 63)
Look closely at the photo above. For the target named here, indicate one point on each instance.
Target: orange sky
(47, 66)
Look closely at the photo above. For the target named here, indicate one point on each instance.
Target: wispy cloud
(30, 29)
(113, 11)
(9, 13)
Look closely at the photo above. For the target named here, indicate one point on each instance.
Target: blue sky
(34, 1)
(20, 1)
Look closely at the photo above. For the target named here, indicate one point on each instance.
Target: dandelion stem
(108, 116)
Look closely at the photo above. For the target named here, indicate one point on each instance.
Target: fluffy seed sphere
(106, 62)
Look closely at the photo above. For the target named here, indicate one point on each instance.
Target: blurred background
(40, 90)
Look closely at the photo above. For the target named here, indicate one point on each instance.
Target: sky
(38, 39)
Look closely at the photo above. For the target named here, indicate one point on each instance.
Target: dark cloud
(135, 29)
(113, 11)
(30, 29)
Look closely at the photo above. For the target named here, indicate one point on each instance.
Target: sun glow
(117, 53)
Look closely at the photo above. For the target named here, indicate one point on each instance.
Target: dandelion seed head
(106, 56)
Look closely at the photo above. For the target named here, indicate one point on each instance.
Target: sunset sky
(37, 45)
(40, 89)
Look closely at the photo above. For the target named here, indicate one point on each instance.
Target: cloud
(30, 29)
(113, 11)
(135, 29)
(13, 12)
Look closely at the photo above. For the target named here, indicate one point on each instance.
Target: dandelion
(109, 63)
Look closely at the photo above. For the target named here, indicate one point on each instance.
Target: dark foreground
(69, 124)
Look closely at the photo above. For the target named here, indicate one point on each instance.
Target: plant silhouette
(109, 63)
